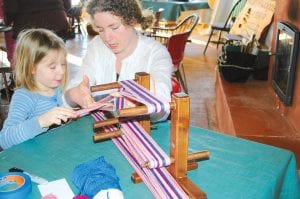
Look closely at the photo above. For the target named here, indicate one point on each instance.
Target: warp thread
(93, 176)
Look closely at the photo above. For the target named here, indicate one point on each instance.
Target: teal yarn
(93, 176)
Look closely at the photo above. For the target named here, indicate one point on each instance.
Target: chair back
(157, 16)
(176, 46)
(162, 34)
(234, 12)
(187, 24)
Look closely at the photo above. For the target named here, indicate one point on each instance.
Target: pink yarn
(80, 197)
(50, 196)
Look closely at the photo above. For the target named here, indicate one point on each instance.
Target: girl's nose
(61, 69)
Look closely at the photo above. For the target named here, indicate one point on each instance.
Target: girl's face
(50, 71)
(116, 36)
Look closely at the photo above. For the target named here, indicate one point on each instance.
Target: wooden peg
(100, 136)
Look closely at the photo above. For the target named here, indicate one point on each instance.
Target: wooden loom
(180, 111)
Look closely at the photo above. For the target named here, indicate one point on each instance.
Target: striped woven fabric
(105, 104)
(139, 93)
(158, 180)
(139, 148)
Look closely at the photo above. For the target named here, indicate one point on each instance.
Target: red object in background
(10, 43)
(176, 46)
(176, 88)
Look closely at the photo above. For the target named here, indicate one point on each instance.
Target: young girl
(40, 75)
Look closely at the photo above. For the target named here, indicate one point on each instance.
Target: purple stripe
(157, 171)
(170, 185)
(133, 127)
(152, 145)
(123, 148)
(151, 149)
(147, 96)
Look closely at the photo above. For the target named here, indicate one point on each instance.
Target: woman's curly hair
(129, 10)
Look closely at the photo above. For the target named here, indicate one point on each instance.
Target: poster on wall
(254, 18)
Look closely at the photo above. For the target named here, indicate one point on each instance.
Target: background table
(173, 8)
(237, 168)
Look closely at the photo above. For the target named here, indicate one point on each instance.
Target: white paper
(59, 188)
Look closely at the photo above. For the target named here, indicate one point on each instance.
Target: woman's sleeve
(19, 127)
(90, 62)
(160, 72)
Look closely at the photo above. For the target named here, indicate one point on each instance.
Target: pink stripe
(154, 152)
(167, 187)
(144, 95)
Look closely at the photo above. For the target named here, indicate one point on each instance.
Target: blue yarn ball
(93, 176)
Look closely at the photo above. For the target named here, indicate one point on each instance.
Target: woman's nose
(107, 36)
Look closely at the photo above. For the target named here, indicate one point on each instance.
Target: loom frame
(180, 119)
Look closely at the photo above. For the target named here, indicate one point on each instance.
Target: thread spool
(14, 185)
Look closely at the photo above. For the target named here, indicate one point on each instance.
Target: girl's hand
(57, 116)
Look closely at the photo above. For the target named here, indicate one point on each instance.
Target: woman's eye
(115, 27)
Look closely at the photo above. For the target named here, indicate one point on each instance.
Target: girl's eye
(52, 66)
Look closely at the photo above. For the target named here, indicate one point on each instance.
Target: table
(173, 8)
(237, 168)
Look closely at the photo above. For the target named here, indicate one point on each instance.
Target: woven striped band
(138, 147)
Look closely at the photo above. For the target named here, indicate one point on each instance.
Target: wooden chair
(225, 26)
(157, 17)
(176, 46)
(163, 34)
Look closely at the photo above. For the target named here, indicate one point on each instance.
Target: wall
(288, 10)
(221, 10)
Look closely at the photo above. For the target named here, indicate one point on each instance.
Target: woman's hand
(80, 95)
(57, 116)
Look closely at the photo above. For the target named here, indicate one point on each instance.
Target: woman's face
(116, 36)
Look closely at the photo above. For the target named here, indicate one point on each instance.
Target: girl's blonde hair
(32, 46)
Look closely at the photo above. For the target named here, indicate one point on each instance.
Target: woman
(119, 51)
